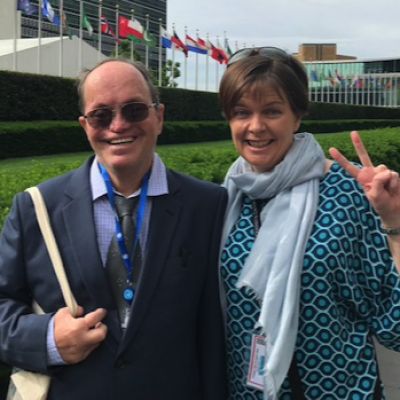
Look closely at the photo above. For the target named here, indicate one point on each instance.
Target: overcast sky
(361, 28)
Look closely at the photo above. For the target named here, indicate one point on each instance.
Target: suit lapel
(81, 233)
(163, 223)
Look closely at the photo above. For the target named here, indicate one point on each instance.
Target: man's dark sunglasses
(132, 112)
(271, 52)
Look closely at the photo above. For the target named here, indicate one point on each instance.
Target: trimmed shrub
(31, 97)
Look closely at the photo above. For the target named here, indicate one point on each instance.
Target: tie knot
(124, 206)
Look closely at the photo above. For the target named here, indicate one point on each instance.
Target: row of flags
(47, 10)
(198, 46)
(132, 29)
(351, 80)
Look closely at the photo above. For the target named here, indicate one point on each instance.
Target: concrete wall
(8, 19)
(50, 50)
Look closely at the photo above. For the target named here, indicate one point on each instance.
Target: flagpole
(328, 90)
(385, 94)
(15, 39)
(160, 55)
(362, 91)
(61, 7)
(173, 57)
(100, 32)
(225, 49)
(39, 35)
(147, 47)
(217, 68)
(116, 43)
(352, 91)
(197, 62)
(185, 68)
(321, 85)
(80, 33)
(132, 46)
(207, 61)
(374, 90)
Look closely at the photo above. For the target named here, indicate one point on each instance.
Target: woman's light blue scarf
(273, 268)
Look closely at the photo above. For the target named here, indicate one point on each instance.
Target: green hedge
(31, 97)
(333, 126)
(330, 111)
(26, 139)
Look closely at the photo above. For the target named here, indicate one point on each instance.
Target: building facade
(320, 52)
(373, 82)
(150, 13)
(335, 78)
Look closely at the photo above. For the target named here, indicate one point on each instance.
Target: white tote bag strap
(48, 235)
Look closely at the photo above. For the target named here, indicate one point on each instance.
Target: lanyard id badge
(255, 376)
(128, 293)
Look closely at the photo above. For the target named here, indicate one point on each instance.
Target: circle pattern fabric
(349, 289)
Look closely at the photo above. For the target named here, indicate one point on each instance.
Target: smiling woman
(298, 280)
(262, 131)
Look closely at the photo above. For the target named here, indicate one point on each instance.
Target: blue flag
(47, 11)
(26, 7)
(313, 75)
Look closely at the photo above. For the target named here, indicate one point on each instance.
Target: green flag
(228, 49)
(85, 22)
(149, 39)
(66, 27)
(134, 38)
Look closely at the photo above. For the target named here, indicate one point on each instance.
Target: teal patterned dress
(350, 289)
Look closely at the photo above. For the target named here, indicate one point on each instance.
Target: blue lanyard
(129, 292)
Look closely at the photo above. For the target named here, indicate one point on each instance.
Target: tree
(125, 51)
(166, 77)
(169, 73)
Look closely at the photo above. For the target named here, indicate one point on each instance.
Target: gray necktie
(115, 267)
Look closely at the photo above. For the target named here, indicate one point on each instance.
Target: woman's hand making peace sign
(381, 185)
(382, 188)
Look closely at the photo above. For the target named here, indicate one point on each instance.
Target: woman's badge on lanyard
(255, 376)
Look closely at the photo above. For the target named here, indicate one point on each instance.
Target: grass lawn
(27, 162)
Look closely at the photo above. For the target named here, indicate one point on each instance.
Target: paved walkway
(389, 364)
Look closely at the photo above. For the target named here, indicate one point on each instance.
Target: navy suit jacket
(173, 347)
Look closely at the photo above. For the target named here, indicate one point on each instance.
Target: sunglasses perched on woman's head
(132, 112)
(271, 52)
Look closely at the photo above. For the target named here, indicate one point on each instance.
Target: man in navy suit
(171, 345)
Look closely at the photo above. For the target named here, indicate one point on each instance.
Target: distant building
(337, 78)
(320, 52)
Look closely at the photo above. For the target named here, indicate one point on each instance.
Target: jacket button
(120, 363)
